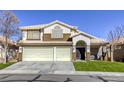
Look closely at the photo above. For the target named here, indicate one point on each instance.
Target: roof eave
(47, 25)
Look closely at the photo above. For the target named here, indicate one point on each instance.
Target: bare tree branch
(8, 27)
(114, 37)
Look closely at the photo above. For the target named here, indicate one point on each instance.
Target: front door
(80, 53)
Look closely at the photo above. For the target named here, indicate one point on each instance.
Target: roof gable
(60, 23)
(84, 34)
(47, 25)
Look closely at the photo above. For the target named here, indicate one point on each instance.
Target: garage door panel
(38, 54)
(63, 54)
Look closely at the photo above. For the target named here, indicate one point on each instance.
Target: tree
(8, 28)
(114, 36)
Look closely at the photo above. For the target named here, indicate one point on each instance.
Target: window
(57, 32)
(33, 35)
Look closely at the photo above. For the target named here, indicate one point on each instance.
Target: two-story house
(57, 41)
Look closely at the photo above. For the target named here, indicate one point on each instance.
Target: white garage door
(63, 54)
(46, 54)
(37, 53)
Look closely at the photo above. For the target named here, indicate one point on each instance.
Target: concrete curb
(63, 72)
(99, 73)
(86, 73)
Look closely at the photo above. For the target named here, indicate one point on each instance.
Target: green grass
(99, 66)
(2, 66)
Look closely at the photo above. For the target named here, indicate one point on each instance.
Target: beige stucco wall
(24, 35)
(73, 32)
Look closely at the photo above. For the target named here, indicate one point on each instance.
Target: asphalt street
(58, 78)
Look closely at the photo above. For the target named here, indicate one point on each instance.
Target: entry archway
(80, 50)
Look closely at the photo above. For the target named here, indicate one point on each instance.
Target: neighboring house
(118, 53)
(57, 41)
(11, 49)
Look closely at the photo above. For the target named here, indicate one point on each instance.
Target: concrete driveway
(39, 68)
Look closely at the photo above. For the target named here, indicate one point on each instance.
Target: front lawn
(2, 66)
(99, 66)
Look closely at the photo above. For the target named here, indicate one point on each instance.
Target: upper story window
(57, 32)
(33, 35)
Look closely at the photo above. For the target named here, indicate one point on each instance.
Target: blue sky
(97, 23)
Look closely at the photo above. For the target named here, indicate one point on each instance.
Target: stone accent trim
(74, 56)
(87, 55)
(19, 57)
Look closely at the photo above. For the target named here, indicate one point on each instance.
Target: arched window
(57, 32)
